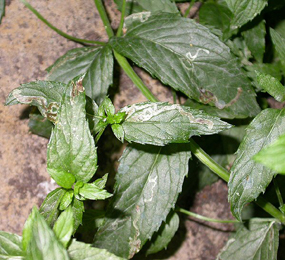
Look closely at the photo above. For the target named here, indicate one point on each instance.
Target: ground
(27, 48)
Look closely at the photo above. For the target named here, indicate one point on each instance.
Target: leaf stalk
(58, 31)
(120, 29)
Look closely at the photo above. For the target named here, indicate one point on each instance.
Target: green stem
(134, 77)
(104, 17)
(225, 175)
(269, 208)
(189, 9)
(119, 32)
(195, 215)
(207, 160)
(61, 33)
(278, 193)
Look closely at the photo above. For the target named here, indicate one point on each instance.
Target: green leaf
(249, 178)
(101, 182)
(163, 123)
(92, 192)
(40, 125)
(245, 10)
(96, 62)
(186, 56)
(63, 227)
(45, 95)
(166, 232)
(255, 40)
(216, 16)
(271, 85)
(279, 44)
(10, 246)
(82, 251)
(273, 156)
(257, 241)
(135, 6)
(77, 207)
(50, 207)
(43, 243)
(148, 182)
(71, 150)
(2, 9)
(66, 199)
(118, 131)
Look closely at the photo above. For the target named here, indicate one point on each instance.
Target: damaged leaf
(163, 123)
(148, 182)
(188, 57)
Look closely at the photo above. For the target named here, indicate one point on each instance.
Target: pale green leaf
(43, 244)
(245, 10)
(50, 207)
(186, 56)
(2, 9)
(82, 251)
(148, 182)
(45, 95)
(66, 199)
(255, 40)
(256, 241)
(96, 62)
(279, 44)
(71, 150)
(10, 246)
(273, 156)
(166, 232)
(249, 178)
(63, 227)
(163, 123)
(92, 192)
(271, 85)
(134, 6)
(101, 182)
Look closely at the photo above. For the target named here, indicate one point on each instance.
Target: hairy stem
(195, 215)
(61, 33)
(278, 193)
(104, 18)
(119, 32)
(134, 77)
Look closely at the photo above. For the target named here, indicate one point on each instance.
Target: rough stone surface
(27, 48)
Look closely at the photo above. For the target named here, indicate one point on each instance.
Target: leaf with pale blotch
(279, 44)
(271, 85)
(42, 243)
(148, 182)
(256, 241)
(63, 227)
(50, 207)
(186, 56)
(46, 95)
(166, 232)
(273, 156)
(82, 251)
(245, 10)
(135, 6)
(71, 150)
(249, 178)
(96, 62)
(10, 246)
(163, 123)
(255, 40)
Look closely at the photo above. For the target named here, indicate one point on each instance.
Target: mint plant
(224, 65)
